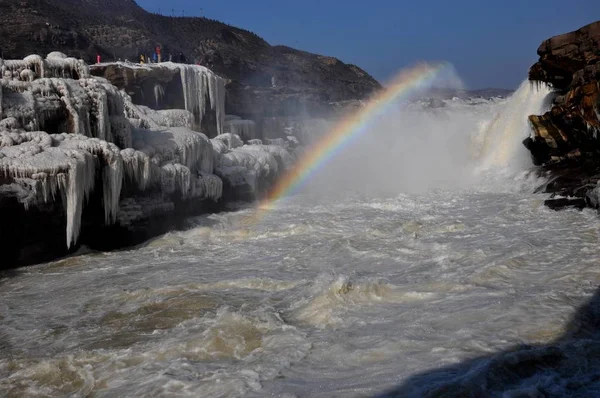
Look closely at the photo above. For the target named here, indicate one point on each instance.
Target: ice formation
(95, 108)
(248, 165)
(199, 84)
(65, 165)
(245, 129)
(230, 140)
(62, 131)
(168, 117)
(55, 65)
(202, 90)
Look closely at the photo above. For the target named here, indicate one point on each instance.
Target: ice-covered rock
(169, 117)
(230, 140)
(252, 166)
(55, 65)
(176, 145)
(292, 140)
(245, 129)
(66, 135)
(67, 169)
(94, 107)
(169, 85)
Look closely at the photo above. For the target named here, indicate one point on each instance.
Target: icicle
(62, 88)
(79, 184)
(209, 186)
(245, 129)
(112, 172)
(176, 178)
(137, 167)
(159, 93)
(199, 83)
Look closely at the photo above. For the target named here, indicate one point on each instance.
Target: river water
(339, 292)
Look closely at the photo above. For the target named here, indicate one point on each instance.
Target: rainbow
(406, 83)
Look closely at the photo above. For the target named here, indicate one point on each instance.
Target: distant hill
(120, 29)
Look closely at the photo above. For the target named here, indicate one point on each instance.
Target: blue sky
(491, 43)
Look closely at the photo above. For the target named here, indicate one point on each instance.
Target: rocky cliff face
(570, 63)
(566, 139)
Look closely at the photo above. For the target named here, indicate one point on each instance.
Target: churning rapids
(419, 260)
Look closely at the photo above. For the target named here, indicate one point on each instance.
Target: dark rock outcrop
(570, 63)
(566, 139)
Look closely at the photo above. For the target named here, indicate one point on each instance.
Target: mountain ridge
(121, 29)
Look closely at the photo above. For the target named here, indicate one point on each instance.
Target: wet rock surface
(565, 139)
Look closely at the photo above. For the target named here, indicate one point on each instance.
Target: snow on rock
(55, 65)
(293, 141)
(255, 141)
(245, 129)
(251, 165)
(168, 117)
(283, 156)
(56, 55)
(231, 141)
(176, 145)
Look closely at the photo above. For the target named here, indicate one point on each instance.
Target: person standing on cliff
(158, 54)
(142, 59)
(97, 58)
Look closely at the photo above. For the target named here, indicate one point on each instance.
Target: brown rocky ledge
(566, 139)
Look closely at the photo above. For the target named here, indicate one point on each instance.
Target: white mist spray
(417, 147)
(500, 139)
